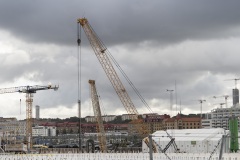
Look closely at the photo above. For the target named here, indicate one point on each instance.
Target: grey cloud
(118, 22)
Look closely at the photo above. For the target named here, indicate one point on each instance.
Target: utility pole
(171, 98)
(150, 147)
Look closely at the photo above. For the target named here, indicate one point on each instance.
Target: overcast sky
(158, 43)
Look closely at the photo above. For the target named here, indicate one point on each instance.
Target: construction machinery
(223, 96)
(102, 54)
(201, 102)
(98, 116)
(29, 90)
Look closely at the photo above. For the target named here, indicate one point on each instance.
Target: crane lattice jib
(100, 51)
(98, 116)
(29, 90)
(26, 89)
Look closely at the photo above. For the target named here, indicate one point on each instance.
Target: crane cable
(129, 81)
(122, 72)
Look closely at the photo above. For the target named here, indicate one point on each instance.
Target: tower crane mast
(29, 90)
(98, 116)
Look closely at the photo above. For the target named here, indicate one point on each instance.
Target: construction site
(178, 144)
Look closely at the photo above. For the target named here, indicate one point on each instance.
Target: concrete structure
(129, 117)
(218, 118)
(191, 140)
(18, 127)
(105, 118)
(37, 112)
(235, 94)
(43, 131)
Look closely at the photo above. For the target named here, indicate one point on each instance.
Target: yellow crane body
(98, 116)
(101, 52)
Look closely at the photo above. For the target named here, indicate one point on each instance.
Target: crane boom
(101, 53)
(29, 90)
(98, 116)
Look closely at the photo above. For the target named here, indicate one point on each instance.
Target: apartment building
(17, 127)
(151, 123)
(218, 118)
(43, 131)
(106, 118)
(182, 123)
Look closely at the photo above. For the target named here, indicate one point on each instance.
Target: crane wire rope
(129, 81)
(102, 107)
(122, 72)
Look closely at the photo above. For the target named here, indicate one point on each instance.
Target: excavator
(102, 53)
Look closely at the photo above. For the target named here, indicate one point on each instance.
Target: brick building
(179, 122)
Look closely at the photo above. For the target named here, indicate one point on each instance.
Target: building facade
(43, 131)
(106, 118)
(218, 118)
(17, 127)
(182, 123)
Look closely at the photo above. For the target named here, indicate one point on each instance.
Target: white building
(105, 118)
(17, 127)
(190, 140)
(44, 131)
(218, 118)
(129, 117)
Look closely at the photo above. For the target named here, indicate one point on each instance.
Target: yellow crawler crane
(98, 116)
(102, 54)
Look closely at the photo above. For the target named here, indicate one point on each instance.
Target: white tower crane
(225, 98)
(29, 90)
(201, 102)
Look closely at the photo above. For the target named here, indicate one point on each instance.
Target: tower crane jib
(29, 90)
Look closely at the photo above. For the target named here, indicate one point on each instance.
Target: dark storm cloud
(200, 40)
(121, 21)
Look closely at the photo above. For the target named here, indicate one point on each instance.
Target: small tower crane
(29, 90)
(225, 97)
(201, 102)
(98, 116)
(234, 79)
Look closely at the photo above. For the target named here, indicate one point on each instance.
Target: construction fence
(119, 156)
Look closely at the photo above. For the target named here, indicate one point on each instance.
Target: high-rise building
(235, 94)
(37, 112)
